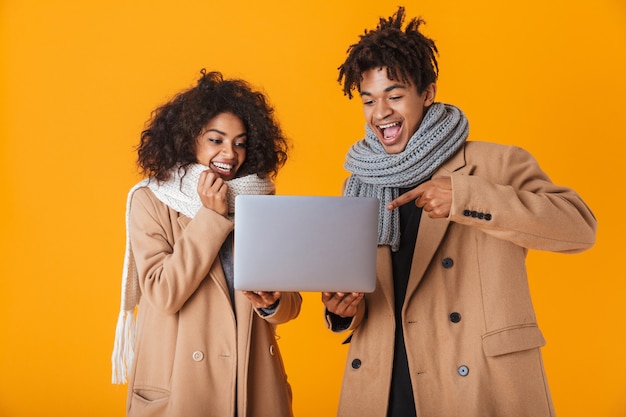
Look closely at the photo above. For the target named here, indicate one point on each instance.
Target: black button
(467, 213)
(447, 262)
(481, 215)
(474, 213)
(487, 216)
(455, 317)
(356, 364)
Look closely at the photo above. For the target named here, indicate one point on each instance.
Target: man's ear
(430, 91)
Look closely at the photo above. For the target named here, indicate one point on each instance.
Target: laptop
(305, 243)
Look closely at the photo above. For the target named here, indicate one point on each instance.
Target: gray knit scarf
(375, 173)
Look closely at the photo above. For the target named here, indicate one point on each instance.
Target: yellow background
(79, 78)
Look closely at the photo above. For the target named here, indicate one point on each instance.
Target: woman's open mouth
(222, 168)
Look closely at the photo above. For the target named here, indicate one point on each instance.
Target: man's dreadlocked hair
(408, 56)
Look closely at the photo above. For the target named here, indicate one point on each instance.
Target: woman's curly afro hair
(408, 55)
(169, 140)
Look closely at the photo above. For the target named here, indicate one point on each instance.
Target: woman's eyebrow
(224, 133)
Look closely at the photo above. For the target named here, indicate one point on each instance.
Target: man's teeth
(223, 167)
(388, 125)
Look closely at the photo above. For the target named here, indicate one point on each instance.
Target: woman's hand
(262, 299)
(213, 192)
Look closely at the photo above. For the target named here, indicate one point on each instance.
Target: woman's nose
(227, 149)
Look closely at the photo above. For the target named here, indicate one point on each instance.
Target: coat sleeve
(171, 268)
(339, 325)
(509, 197)
(288, 308)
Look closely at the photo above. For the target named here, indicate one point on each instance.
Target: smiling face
(222, 145)
(393, 109)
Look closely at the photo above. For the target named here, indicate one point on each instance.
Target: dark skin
(213, 193)
(435, 198)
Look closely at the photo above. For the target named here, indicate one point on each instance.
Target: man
(450, 329)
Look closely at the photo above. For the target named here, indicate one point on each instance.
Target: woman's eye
(217, 141)
(241, 144)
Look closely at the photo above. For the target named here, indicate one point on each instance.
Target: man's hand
(342, 304)
(434, 197)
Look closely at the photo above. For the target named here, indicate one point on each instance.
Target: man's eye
(395, 98)
(368, 102)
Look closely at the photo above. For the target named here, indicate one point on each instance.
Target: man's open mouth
(390, 130)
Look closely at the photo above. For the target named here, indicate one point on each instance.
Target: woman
(200, 349)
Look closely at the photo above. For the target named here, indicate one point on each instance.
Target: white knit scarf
(375, 173)
(179, 193)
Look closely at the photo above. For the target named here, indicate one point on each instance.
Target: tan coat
(484, 361)
(194, 355)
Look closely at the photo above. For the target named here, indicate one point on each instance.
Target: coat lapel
(384, 273)
(429, 236)
(431, 231)
(244, 313)
(216, 273)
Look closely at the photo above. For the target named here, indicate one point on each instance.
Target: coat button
(356, 364)
(197, 356)
(467, 213)
(487, 216)
(463, 370)
(455, 317)
(474, 213)
(447, 262)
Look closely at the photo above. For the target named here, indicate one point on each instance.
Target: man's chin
(393, 147)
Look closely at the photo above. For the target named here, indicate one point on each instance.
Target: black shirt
(401, 401)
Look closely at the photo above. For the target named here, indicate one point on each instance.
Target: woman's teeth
(222, 166)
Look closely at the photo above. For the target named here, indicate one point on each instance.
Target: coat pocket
(148, 401)
(512, 339)
(150, 394)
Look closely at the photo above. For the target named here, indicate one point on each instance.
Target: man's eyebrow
(388, 89)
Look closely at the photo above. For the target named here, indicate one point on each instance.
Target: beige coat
(194, 355)
(472, 340)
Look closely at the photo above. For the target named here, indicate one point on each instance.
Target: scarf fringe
(179, 193)
(123, 351)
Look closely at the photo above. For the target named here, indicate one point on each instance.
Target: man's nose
(382, 110)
